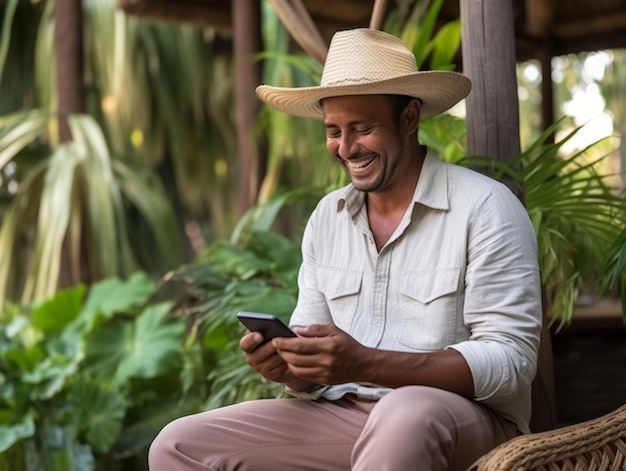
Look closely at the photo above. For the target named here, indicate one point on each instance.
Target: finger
(316, 330)
(250, 341)
(301, 359)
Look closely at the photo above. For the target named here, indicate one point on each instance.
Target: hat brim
(438, 91)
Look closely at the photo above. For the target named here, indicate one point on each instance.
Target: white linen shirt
(460, 272)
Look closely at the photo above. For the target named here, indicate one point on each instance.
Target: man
(418, 315)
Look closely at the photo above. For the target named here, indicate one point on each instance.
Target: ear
(412, 116)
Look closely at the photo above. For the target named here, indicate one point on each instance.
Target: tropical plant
(76, 200)
(256, 270)
(122, 220)
(88, 375)
(432, 44)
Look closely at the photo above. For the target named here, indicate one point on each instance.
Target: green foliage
(417, 28)
(78, 371)
(445, 134)
(612, 274)
(90, 375)
(258, 275)
(76, 192)
(102, 206)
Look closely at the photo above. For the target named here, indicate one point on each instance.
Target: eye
(364, 130)
(333, 133)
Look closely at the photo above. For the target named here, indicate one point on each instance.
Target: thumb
(316, 330)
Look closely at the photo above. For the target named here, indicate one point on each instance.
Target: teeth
(360, 164)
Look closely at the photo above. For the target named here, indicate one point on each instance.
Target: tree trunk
(68, 40)
(247, 71)
(488, 48)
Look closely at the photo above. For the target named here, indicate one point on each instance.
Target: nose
(346, 146)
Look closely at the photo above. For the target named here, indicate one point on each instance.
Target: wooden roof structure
(561, 26)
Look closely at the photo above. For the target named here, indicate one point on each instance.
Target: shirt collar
(431, 189)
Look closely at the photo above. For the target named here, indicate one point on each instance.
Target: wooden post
(488, 49)
(540, 24)
(247, 72)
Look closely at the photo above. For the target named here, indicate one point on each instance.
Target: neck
(398, 197)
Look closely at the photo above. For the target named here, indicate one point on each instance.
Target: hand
(322, 354)
(265, 360)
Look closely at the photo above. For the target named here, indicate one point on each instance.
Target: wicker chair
(594, 445)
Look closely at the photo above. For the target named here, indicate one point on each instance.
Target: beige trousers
(411, 428)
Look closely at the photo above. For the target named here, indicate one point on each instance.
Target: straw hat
(370, 62)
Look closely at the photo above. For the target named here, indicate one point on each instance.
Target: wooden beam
(539, 17)
(214, 14)
(600, 25)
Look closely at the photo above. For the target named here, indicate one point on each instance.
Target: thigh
(271, 434)
(419, 428)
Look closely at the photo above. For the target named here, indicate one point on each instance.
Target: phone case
(268, 325)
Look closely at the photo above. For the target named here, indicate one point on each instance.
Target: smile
(360, 164)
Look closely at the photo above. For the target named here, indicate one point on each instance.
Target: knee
(414, 411)
(166, 444)
(406, 426)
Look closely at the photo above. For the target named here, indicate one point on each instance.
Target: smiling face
(377, 151)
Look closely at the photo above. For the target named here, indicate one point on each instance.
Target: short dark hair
(398, 104)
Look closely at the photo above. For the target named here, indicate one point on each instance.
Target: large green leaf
(446, 45)
(113, 295)
(98, 413)
(144, 348)
(57, 312)
(50, 375)
(53, 220)
(13, 433)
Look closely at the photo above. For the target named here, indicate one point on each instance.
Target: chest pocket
(429, 308)
(341, 288)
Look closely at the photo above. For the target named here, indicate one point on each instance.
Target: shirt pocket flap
(336, 283)
(428, 285)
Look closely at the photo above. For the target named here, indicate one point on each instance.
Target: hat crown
(366, 55)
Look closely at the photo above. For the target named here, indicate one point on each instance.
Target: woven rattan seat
(594, 445)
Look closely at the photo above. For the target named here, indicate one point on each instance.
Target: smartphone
(268, 324)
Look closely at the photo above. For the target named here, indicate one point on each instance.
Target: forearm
(446, 369)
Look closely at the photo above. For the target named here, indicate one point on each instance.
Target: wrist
(299, 385)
